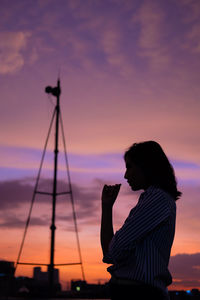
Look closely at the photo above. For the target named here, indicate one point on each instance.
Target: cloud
(96, 38)
(189, 11)
(26, 161)
(29, 158)
(17, 194)
(192, 11)
(185, 269)
(193, 39)
(150, 18)
(12, 221)
(14, 194)
(116, 56)
(16, 198)
(187, 213)
(11, 47)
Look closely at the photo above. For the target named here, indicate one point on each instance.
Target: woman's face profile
(134, 175)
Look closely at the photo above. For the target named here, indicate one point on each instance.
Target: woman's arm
(106, 228)
(152, 213)
(109, 195)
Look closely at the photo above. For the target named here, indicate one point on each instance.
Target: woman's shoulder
(156, 193)
(156, 190)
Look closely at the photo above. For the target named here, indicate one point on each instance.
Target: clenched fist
(109, 194)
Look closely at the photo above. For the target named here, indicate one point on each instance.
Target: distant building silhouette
(6, 268)
(38, 286)
(41, 276)
(6, 277)
(84, 289)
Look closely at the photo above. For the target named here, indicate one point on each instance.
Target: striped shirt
(140, 250)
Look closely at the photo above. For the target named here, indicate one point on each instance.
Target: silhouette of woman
(140, 250)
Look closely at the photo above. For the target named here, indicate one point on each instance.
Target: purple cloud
(16, 194)
(185, 269)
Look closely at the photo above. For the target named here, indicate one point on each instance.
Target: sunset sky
(129, 72)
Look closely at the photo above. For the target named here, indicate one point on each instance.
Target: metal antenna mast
(56, 91)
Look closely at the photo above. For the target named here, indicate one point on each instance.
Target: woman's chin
(136, 188)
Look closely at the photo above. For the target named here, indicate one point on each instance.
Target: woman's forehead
(129, 161)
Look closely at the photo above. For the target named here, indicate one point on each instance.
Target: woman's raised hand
(109, 194)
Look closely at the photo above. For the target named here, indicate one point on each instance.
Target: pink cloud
(152, 31)
(11, 46)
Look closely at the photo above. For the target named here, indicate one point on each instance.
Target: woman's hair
(150, 157)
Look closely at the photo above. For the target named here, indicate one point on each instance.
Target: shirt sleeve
(149, 213)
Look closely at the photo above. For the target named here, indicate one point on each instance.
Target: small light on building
(78, 288)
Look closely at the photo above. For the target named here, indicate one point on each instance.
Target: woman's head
(148, 165)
